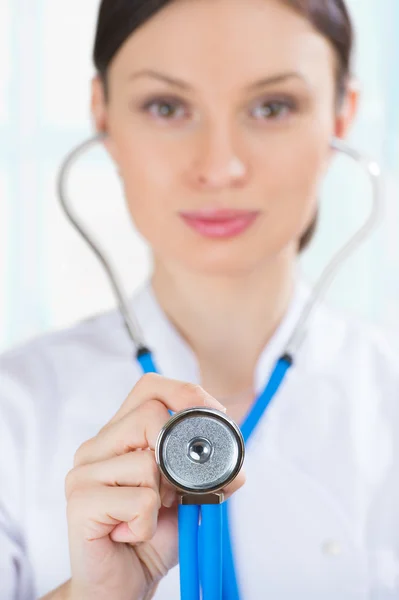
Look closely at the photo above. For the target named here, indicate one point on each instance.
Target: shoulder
(75, 352)
(54, 352)
(79, 364)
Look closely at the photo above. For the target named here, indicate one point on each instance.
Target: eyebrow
(278, 78)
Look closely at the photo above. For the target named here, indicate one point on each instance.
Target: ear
(348, 110)
(99, 112)
(98, 105)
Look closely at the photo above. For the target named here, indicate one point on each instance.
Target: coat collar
(175, 359)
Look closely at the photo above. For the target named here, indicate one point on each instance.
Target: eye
(164, 108)
(273, 110)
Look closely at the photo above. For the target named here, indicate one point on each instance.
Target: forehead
(223, 40)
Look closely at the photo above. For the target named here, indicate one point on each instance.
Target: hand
(122, 515)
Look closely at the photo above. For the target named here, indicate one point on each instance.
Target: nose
(217, 164)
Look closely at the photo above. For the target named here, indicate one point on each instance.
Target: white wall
(48, 279)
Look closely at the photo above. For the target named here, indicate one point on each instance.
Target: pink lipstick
(218, 223)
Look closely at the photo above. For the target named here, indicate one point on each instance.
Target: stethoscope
(200, 450)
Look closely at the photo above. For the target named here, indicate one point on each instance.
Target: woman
(219, 117)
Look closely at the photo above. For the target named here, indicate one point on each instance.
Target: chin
(232, 258)
(223, 263)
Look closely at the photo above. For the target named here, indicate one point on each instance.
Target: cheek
(147, 165)
(149, 176)
(291, 176)
(286, 170)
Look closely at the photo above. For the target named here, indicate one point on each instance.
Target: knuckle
(78, 458)
(141, 529)
(76, 500)
(149, 413)
(80, 506)
(151, 466)
(75, 479)
(150, 501)
(146, 381)
(70, 482)
(144, 530)
(152, 408)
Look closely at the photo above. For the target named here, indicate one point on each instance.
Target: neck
(226, 320)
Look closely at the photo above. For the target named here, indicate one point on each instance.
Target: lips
(216, 223)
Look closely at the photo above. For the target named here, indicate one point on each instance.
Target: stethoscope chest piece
(200, 451)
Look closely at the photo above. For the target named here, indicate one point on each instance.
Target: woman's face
(244, 127)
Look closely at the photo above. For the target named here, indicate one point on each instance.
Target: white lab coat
(319, 515)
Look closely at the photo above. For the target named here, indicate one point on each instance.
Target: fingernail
(169, 499)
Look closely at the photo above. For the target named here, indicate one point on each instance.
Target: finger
(137, 429)
(175, 395)
(235, 485)
(96, 511)
(140, 426)
(137, 469)
(134, 469)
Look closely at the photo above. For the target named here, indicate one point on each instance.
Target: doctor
(219, 116)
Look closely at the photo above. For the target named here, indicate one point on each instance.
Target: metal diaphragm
(200, 450)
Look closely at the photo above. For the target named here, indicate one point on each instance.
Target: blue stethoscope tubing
(206, 555)
(230, 582)
(216, 582)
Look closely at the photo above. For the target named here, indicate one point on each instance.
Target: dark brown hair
(118, 19)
